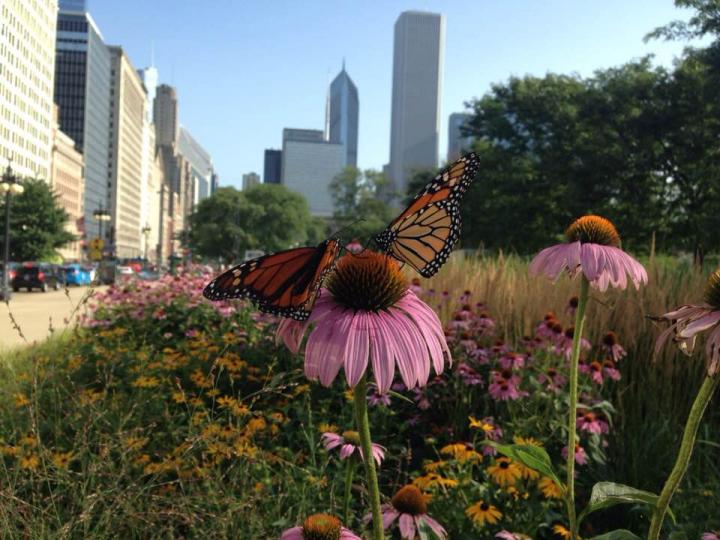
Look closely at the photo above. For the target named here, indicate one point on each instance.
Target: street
(37, 313)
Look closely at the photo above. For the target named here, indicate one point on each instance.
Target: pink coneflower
(409, 508)
(320, 527)
(612, 347)
(349, 443)
(687, 321)
(610, 371)
(572, 306)
(564, 343)
(376, 398)
(511, 360)
(465, 297)
(711, 535)
(416, 286)
(484, 325)
(593, 249)
(367, 314)
(354, 246)
(465, 312)
(469, 376)
(580, 454)
(459, 323)
(594, 370)
(592, 422)
(553, 380)
(545, 330)
(502, 389)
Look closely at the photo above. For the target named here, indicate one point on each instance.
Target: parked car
(13, 266)
(76, 274)
(41, 276)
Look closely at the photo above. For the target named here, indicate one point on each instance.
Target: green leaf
(394, 394)
(531, 456)
(618, 534)
(607, 494)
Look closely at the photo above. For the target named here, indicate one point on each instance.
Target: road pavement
(37, 314)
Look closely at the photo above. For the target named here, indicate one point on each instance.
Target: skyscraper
(126, 155)
(342, 112)
(201, 167)
(416, 94)
(27, 57)
(456, 140)
(273, 163)
(82, 93)
(150, 77)
(250, 179)
(165, 115)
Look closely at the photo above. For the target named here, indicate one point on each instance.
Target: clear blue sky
(244, 69)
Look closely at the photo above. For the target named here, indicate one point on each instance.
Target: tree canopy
(37, 223)
(267, 217)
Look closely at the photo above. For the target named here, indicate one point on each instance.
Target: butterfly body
(285, 283)
(424, 234)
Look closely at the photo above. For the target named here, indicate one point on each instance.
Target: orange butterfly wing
(284, 283)
(424, 234)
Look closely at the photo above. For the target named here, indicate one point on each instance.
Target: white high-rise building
(27, 75)
(416, 95)
(457, 142)
(309, 165)
(250, 179)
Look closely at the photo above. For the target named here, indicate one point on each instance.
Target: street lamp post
(101, 215)
(9, 186)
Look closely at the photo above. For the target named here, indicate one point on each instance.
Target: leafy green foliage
(533, 457)
(360, 211)
(619, 534)
(266, 216)
(37, 223)
(607, 494)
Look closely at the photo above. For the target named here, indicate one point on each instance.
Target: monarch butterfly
(424, 234)
(284, 283)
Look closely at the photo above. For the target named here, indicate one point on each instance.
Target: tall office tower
(27, 70)
(68, 184)
(82, 93)
(165, 115)
(201, 168)
(416, 94)
(250, 179)
(309, 164)
(342, 113)
(126, 155)
(273, 164)
(214, 182)
(150, 78)
(457, 142)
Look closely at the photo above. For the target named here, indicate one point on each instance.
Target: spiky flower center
(593, 230)
(610, 339)
(321, 527)
(352, 437)
(573, 302)
(484, 507)
(712, 291)
(410, 500)
(367, 281)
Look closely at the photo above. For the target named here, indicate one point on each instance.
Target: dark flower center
(610, 339)
(712, 291)
(322, 527)
(484, 507)
(352, 437)
(367, 281)
(557, 328)
(573, 302)
(552, 372)
(595, 366)
(593, 230)
(570, 332)
(409, 500)
(504, 465)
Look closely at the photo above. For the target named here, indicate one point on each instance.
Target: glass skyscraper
(271, 171)
(343, 108)
(82, 93)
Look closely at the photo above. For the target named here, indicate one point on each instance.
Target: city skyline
(259, 71)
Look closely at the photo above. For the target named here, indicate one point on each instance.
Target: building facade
(82, 93)
(126, 144)
(272, 170)
(457, 142)
(27, 72)
(68, 184)
(165, 115)
(309, 165)
(250, 179)
(342, 112)
(416, 94)
(201, 167)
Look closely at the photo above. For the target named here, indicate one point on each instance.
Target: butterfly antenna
(339, 232)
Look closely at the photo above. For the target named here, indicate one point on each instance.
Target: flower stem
(682, 462)
(363, 425)
(349, 473)
(572, 414)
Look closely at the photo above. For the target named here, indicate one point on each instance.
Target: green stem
(349, 473)
(572, 413)
(682, 462)
(363, 425)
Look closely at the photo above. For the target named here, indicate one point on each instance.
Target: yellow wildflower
(549, 488)
(133, 443)
(9, 450)
(178, 396)
(213, 393)
(201, 380)
(505, 472)
(431, 480)
(30, 461)
(481, 425)
(62, 459)
(327, 428)
(434, 466)
(528, 441)
(481, 513)
(146, 382)
(21, 400)
(302, 389)
(562, 531)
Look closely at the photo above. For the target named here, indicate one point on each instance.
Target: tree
(266, 216)
(360, 211)
(37, 223)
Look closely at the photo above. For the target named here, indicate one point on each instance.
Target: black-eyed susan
(482, 512)
(562, 531)
(504, 471)
(549, 488)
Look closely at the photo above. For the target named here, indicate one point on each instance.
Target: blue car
(75, 274)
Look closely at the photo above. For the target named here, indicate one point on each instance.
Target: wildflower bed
(165, 415)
